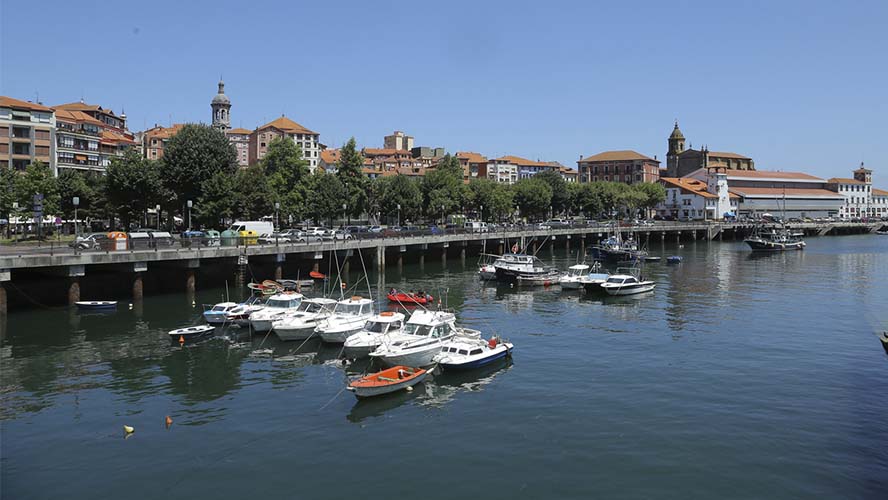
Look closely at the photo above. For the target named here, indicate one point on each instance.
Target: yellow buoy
(129, 430)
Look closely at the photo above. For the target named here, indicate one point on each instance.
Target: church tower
(221, 109)
(676, 147)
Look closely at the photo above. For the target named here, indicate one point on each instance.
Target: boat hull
(770, 246)
(214, 318)
(411, 358)
(884, 339)
(629, 290)
(362, 390)
(287, 333)
(358, 351)
(406, 299)
(477, 363)
(96, 305)
(190, 335)
(339, 336)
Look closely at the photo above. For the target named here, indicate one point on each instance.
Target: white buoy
(129, 430)
(131, 306)
(409, 388)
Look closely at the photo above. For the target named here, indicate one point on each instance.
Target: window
(475, 351)
(261, 144)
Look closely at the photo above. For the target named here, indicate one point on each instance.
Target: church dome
(676, 133)
(221, 98)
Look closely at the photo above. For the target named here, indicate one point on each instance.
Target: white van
(259, 227)
(476, 226)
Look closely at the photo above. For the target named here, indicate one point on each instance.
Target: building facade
(306, 139)
(398, 140)
(78, 147)
(502, 170)
(27, 134)
(681, 162)
(693, 199)
(153, 141)
(474, 165)
(240, 139)
(221, 106)
(625, 166)
(860, 198)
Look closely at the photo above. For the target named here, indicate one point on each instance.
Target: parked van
(476, 226)
(258, 227)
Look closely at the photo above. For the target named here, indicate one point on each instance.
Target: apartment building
(154, 140)
(619, 166)
(27, 134)
(89, 136)
(398, 140)
(308, 140)
(240, 139)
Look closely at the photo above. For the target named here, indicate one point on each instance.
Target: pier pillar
(677, 236)
(189, 281)
(444, 253)
(462, 253)
(5, 275)
(422, 262)
(380, 257)
(567, 244)
(694, 234)
(138, 288)
(240, 273)
(279, 260)
(346, 267)
(73, 290)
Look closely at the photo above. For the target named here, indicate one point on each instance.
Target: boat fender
(168, 421)
(492, 342)
(181, 339)
(409, 388)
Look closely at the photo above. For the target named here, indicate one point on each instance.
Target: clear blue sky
(799, 85)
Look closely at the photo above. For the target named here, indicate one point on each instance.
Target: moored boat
(301, 324)
(190, 334)
(547, 279)
(775, 241)
(387, 381)
(626, 283)
(463, 353)
(240, 315)
(275, 308)
(673, 259)
(385, 325)
(216, 314)
(409, 298)
(91, 305)
(511, 266)
(486, 269)
(422, 338)
(348, 318)
(884, 338)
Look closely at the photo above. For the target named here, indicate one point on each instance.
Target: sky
(796, 85)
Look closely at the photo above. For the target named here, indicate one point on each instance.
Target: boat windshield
(418, 330)
(347, 309)
(375, 327)
(220, 308)
(615, 280)
(282, 303)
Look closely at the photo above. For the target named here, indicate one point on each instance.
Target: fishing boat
(775, 241)
(463, 353)
(573, 279)
(486, 269)
(409, 298)
(384, 325)
(511, 266)
(301, 324)
(615, 248)
(347, 319)
(190, 334)
(216, 314)
(673, 259)
(882, 232)
(884, 338)
(95, 305)
(626, 282)
(275, 308)
(423, 336)
(387, 381)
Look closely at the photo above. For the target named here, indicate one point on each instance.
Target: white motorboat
(423, 337)
(626, 284)
(463, 353)
(275, 308)
(90, 305)
(301, 324)
(348, 317)
(486, 269)
(240, 315)
(384, 325)
(573, 279)
(190, 334)
(511, 266)
(217, 313)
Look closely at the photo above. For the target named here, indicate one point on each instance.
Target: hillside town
(698, 184)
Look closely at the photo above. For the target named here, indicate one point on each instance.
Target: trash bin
(162, 239)
(139, 241)
(117, 240)
(191, 238)
(211, 238)
(229, 238)
(249, 237)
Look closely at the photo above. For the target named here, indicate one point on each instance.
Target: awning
(80, 157)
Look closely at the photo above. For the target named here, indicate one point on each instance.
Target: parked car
(476, 227)
(375, 229)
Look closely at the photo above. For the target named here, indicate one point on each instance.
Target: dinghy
(91, 305)
(409, 298)
(190, 334)
(884, 339)
(673, 259)
(463, 353)
(387, 381)
(316, 275)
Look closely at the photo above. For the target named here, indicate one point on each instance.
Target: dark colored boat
(884, 338)
(191, 334)
(775, 241)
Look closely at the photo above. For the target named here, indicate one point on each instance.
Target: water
(739, 377)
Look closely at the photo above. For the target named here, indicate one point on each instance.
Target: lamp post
(345, 212)
(157, 213)
(189, 215)
(75, 201)
(481, 214)
(277, 207)
(399, 214)
(442, 215)
(15, 207)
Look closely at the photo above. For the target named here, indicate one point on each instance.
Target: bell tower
(676, 147)
(221, 106)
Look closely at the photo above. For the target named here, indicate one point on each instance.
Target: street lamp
(157, 212)
(75, 201)
(15, 207)
(277, 206)
(189, 215)
(481, 214)
(345, 212)
(399, 214)
(442, 215)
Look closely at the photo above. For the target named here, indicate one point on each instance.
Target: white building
(27, 134)
(860, 199)
(693, 199)
(502, 170)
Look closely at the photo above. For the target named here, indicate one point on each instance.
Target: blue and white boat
(96, 305)
(673, 259)
(465, 353)
(217, 313)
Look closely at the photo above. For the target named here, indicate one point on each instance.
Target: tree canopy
(195, 154)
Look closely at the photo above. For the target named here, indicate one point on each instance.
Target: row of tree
(199, 165)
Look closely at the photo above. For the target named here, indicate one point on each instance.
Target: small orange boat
(318, 276)
(408, 298)
(387, 381)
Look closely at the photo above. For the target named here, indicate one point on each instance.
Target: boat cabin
(385, 322)
(354, 306)
(316, 305)
(622, 279)
(284, 301)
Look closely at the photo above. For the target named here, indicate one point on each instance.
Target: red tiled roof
(112, 137)
(880, 192)
(766, 174)
(725, 154)
(688, 185)
(76, 117)
(82, 106)
(239, 131)
(790, 192)
(622, 155)
(330, 156)
(842, 180)
(384, 152)
(159, 132)
(9, 102)
(472, 157)
(517, 160)
(286, 125)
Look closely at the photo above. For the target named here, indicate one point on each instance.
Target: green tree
(533, 196)
(324, 197)
(443, 187)
(253, 197)
(654, 193)
(496, 198)
(86, 186)
(37, 179)
(351, 178)
(450, 164)
(400, 190)
(8, 179)
(195, 154)
(560, 194)
(132, 185)
(216, 205)
(588, 200)
(286, 170)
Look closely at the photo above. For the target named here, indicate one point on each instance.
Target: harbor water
(740, 376)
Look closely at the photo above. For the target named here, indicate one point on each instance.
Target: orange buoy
(168, 421)
(181, 339)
